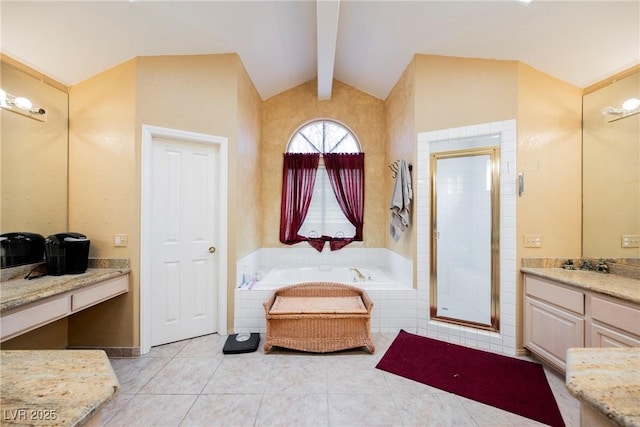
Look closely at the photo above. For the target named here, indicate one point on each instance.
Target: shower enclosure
(465, 237)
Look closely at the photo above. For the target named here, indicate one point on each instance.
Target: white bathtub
(373, 278)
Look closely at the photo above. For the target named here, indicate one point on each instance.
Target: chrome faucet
(360, 276)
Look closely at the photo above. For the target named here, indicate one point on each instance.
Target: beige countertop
(18, 292)
(608, 380)
(54, 387)
(625, 288)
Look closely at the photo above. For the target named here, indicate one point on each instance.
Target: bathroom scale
(241, 343)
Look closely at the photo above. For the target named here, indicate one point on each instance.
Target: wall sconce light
(629, 107)
(22, 105)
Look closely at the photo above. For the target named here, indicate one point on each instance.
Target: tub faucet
(360, 276)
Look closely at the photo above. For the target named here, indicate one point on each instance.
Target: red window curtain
(298, 178)
(346, 174)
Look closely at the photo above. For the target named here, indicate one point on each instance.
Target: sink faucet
(359, 275)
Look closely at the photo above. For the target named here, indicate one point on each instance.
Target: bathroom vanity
(573, 308)
(29, 304)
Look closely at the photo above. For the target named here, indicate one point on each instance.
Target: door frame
(494, 153)
(148, 134)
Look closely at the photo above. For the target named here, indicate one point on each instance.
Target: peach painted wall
(549, 152)
(200, 93)
(104, 195)
(284, 113)
(249, 166)
(399, 110)
(452, 92)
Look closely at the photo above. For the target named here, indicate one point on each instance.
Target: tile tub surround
(393, 309)
(607, 380)
(19, 292)
(54, 387)
(613, 285)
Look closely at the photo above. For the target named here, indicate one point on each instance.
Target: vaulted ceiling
(366, 44)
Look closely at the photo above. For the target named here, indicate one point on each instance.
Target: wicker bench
(318, 317)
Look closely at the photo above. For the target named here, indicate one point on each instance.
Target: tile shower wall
(504, 341)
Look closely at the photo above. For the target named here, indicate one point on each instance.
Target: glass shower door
(464, 264)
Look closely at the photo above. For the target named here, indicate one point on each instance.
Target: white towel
(400, 201)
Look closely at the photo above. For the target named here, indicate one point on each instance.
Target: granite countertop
(54, 387)
(608, 380)
(18, 292)
(622, 287)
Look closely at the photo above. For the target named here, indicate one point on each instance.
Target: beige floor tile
(133, 374)
(236, 376)
(114, 406)
(428, 409)
(206, 346)
(363, 410)
(293, 410)
(291, 388)
(235, 410)
(355, 380)
(182, 376)
(153, 410)
(166, 350)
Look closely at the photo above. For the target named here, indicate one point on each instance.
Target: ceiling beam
(327, 34)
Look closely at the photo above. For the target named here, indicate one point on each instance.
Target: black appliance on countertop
(67, 253)
(20, 248)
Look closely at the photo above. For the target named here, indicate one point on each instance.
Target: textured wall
(284, 113)
(399, 109)
(104, 195)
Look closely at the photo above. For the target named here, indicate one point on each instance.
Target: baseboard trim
(113, 352)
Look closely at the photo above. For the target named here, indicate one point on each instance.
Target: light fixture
(21, 105)
(631, 104)
(629, 107)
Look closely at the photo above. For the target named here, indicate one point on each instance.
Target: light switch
(120, 240)
(532, 241)
(631, 241)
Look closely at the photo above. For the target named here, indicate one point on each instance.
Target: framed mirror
(33, 155)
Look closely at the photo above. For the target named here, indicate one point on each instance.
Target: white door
(184, 207)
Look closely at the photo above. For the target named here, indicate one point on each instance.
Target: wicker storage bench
(318, 317)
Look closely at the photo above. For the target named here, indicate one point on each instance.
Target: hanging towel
(400, 201)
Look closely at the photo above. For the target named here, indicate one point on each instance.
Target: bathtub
(370, 278)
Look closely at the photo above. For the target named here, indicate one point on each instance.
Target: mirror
(33, 156)
(611, 172)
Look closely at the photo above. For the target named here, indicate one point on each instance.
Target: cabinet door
(550, 331)
(603, 336)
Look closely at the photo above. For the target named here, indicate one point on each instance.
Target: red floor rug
(514, 385)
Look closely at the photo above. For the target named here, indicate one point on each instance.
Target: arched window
(323, 136)
(336, 207)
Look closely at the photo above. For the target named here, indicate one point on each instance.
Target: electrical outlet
(532, 241)
(120, 240)
(631, 241)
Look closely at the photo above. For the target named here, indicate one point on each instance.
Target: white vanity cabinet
(559, 316)
(32, 315)
(613, 323)
(554, 320)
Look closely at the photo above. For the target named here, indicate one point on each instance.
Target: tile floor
(192, 383)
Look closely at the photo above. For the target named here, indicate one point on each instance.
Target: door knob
(212, 249)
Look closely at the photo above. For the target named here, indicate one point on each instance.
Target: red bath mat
(514, 385)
